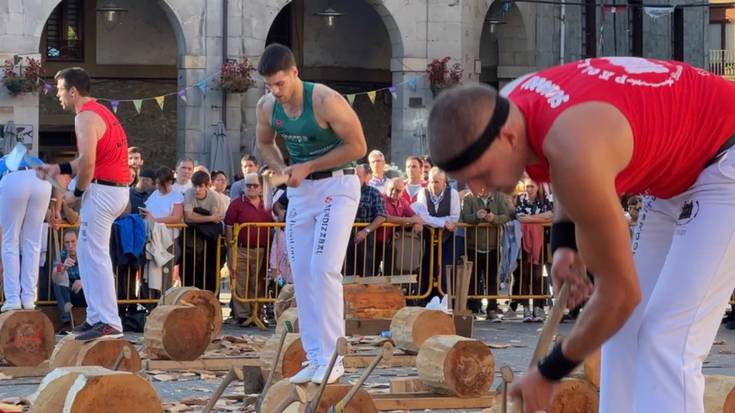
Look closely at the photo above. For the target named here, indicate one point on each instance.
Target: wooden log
(412, 326)
(26, 337)
(286, 299)
(456, 366)
(719, 396)
(430, 401)
(576, 396)
(277, 392)
(333, 393)
(291, 360)
(290, 315)
(92, 389)
(592, 368)
(372, 301)
(204, 299)
(71, 352)
(177, 332)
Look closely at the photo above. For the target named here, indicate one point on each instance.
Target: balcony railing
(722, 62)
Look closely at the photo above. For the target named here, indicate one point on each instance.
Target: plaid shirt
(371, 205)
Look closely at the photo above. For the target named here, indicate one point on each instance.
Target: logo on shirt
(553, 93)
(328, 200)
(633, 71)
(688, 212)
(279, 123)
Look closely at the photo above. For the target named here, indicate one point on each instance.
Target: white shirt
(163, 205)
(421, 208)
(182, 188)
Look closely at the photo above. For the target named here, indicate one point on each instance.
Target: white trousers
(684, 253)
(320, 217)
(25, 200)
(101, 205)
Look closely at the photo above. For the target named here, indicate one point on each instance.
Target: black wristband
(78, 192)
(562, 235)
(556, 366)
(65, 168)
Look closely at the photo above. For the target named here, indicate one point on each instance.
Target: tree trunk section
(456, 366)
(206, 300)
(291, 360)
(718, 394)
(592, 368)
(290, 315)
(372, 301)
(26, 337)
(576, 396)
(412, 326)
(93, 389)
(286, 299)
(71, 352)
(333, 393)
(175, 332)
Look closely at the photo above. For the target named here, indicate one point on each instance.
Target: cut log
(412, 326)
(291, 316)
(94, 389)
(456, 365)
(333, 393)
(719, 396)
(576, 396)
(204, 299)
(286, 299)
(71, 352)
(372, 301)
(291, 360)
(592, 368)
(26, 337)
(175, 332)
(278, 392)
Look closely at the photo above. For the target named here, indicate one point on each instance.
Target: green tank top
(305, 139)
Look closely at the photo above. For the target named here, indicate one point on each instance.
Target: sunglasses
(252, 185)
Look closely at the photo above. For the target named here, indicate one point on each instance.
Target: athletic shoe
(29, 305)
(527, 316)
(337, 372)
(100, 331)
(493, 317)
(82, 328)
(510, 315)
(305, 375)
(9, 307)
(538, 315)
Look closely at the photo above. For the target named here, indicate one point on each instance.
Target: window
(64, 32)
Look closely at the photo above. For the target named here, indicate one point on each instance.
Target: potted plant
(442, 77)
(27, 78)
(236, 76)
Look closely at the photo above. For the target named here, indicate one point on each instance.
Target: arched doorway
(505, 49)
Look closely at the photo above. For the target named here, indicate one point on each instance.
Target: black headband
(474, 151)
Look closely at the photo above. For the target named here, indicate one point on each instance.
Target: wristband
(65, 168)
(78, 192)
(556, 366)
(562, 235)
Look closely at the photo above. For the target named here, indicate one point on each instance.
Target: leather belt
(108, 183)
(722, 149)
(330, 174)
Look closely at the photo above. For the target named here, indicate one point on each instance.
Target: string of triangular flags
(393, 89)
(138, 103)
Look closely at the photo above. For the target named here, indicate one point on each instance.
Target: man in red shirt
(599, 128)
(398, 212)
(102, 175)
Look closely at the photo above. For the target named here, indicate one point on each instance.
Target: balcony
(722, 63)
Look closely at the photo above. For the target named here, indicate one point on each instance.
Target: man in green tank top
(323, 137)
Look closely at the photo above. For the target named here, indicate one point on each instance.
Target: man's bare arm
(89, 127)
(584, 163)
(265, 136)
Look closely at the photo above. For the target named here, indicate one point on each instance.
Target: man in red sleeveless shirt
(596, 129)
(102, 175)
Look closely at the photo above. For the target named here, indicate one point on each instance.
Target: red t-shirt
(242, 211)
(401, 209)
(111, 162)
(680, 115)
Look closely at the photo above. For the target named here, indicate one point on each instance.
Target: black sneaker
(82, 328)
(100, 330)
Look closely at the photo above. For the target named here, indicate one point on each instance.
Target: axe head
(15, 157)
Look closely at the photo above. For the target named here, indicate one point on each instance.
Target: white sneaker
(29, 305)
(9, 307)
(305, 375)
(337, 372)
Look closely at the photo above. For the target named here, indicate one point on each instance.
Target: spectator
(361, 259)
(165, 205)
(399, 212)
(133, 176)
(183, 175)
(202, 213)
(414, 181)
(438, 206)
(201, 168)
(426, 166)
(249, 277)
(248, 165)
(66, 281)
(279, 251)
(377, 168)
(141, 191)
(486, 212)
(533, 211)
(135, 157)
(219, 185)
(633, 210)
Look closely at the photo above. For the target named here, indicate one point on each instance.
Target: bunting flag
(160, 100)
(138, 103)
(371, 94)
(182, 95)
(351, 99)
(393, 92)
(202, 85)
(114, 104)
(46, 88)
(412, 83)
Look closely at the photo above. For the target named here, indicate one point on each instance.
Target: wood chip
(719, 342)
(499, 345)
(164, 377)
(207, 376)
(175, 408)
(10, 408)
(194, 401)
(5, 377)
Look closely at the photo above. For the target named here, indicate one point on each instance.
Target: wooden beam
(358, 327)
(37, 371)
(401, 385)
(389, 279)
(431, 401)
(398, 360)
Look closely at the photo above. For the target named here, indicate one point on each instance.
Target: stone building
(146, 49)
